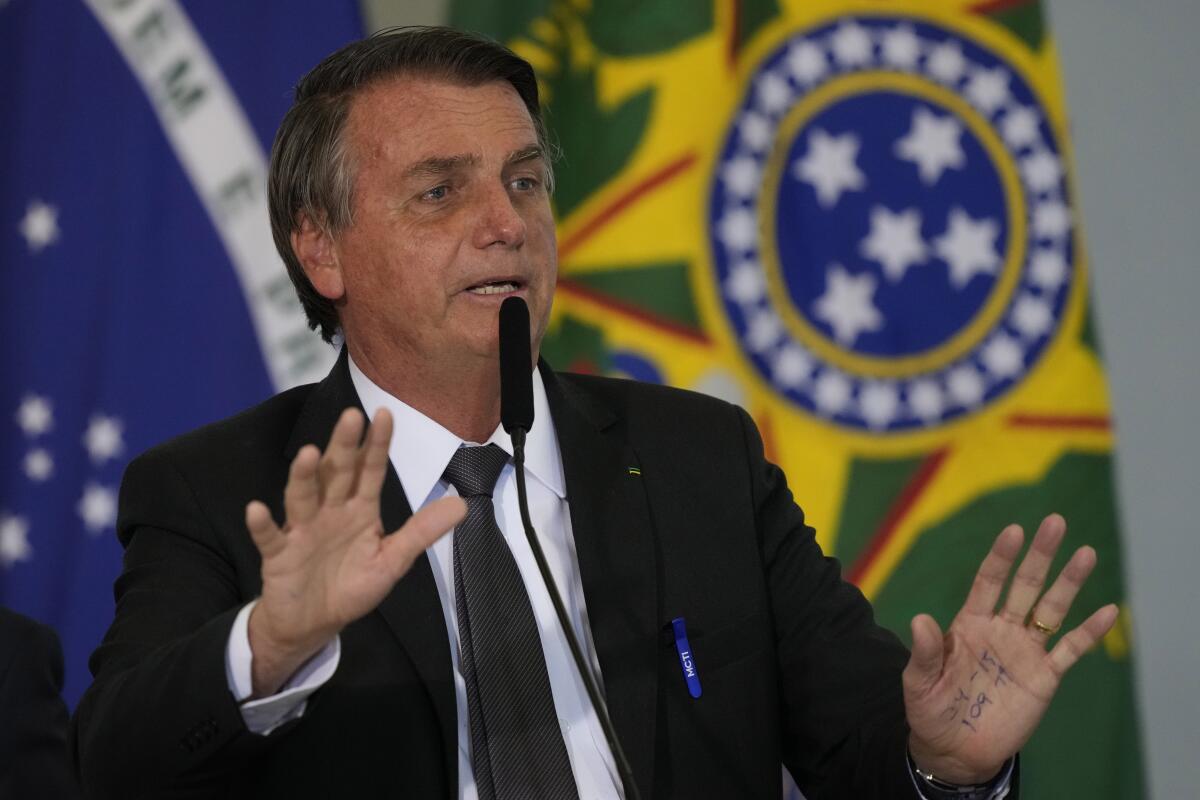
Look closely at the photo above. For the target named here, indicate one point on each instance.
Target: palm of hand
(975, 696)
(333, 570)
(331, 563)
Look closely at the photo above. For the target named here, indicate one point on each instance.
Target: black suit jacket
(33, 717)
(792, 665)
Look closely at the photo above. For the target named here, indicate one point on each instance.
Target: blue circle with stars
(908, 288)
(890, 224)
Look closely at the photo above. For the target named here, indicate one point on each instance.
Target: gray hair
(312, 170)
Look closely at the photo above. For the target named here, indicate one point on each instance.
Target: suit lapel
(614, 539)
(412, 610)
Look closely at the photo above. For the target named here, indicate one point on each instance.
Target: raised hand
(331, 562)
(974, 696)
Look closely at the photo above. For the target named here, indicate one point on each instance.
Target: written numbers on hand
(972, 709)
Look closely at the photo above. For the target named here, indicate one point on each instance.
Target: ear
(314, 247)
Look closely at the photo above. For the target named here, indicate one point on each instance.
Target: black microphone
(516, 415)
(516, 368)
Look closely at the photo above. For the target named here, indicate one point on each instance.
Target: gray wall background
(1131, 73)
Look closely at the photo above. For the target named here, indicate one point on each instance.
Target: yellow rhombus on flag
(856, 220)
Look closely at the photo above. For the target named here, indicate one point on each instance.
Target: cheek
(541, 235)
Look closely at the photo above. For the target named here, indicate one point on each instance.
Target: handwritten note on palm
(975, 695)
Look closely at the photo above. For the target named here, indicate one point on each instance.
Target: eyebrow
(531, 153)
(439, 165)
(443, 165)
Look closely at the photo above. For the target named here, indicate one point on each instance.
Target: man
(33, 717)
(410, 188)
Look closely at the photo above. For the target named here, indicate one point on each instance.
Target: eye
(436, 193)
(524, 184)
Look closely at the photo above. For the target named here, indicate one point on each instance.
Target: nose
(499, 221)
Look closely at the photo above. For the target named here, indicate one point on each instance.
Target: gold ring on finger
(1042, 627)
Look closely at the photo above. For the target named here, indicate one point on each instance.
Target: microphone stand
(610, 734)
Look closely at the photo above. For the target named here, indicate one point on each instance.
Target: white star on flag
(792, 366)
(879, 403)
(1019, 127)
(35, 415)
(932, 143)
(895, 241)
(103, 438)
(847, 305)
(832, 392)
(1003, 357)
(969, 247)
(1048, 269)
(745, 283)
(947, 62)
(829, 166)
(39, 465)
(851, 45)
(926, 399)
(97, 508)
(39, 226)
(774, 93)
(1051, 219)
(763, 331)
(807, 62)
(14, 540)
(987, 89)
(755, 131)
(738, 229)
(1041, 170)
(1031, 316)
(742, 176)
(901, 47)
(965, 385)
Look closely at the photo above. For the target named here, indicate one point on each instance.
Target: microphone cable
(516, 415)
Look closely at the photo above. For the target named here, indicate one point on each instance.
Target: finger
(993, 572)
(1055, 604)
(928, 654)
(1071, 648)
(302, 495)
(339, 465)
(263, 531)
(375, 456)
(422, 529)
(1031, 575)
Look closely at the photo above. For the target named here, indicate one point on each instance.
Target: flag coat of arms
(857, 220)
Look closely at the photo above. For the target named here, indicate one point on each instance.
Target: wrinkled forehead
(411, 118)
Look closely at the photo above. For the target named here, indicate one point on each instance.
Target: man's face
(451, 216)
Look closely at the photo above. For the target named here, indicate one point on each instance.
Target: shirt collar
(421, 448)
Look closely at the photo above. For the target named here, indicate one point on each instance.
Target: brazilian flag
(857, 220)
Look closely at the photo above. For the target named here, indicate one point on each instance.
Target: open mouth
(495, 287)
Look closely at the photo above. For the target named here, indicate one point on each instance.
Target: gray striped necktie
(517, 748)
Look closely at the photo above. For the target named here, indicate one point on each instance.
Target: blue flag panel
(131, 311)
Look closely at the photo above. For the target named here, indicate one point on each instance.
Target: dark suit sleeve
(844, 731)
(159, 719)
(33, 717)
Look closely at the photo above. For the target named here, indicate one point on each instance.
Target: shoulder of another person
(26, 640)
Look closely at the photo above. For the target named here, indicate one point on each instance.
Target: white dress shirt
(420, 451)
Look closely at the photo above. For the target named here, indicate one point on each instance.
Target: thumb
(263, 531)
(928, 649)
(422, 529)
